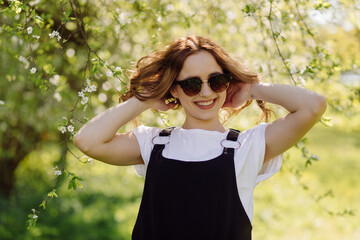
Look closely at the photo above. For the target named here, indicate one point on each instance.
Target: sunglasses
(192, 86)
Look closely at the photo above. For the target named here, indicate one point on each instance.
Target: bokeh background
(64, 61)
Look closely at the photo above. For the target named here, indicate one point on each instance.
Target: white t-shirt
(200, 145)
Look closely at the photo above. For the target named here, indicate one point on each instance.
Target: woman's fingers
(237, 94)
(161, 104)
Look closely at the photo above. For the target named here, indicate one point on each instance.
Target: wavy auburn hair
(153, 75)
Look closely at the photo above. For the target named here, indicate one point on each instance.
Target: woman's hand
(160, 104)
(237, 94)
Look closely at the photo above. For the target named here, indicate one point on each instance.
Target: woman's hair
(153, 75)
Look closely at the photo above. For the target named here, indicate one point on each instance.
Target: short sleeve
(144, 136)
(270, 167)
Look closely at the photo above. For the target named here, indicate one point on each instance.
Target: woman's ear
(174, 92)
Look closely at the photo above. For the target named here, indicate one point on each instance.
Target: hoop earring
(172, 100)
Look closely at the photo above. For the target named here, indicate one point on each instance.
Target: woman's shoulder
(257, 131)
(142, 129)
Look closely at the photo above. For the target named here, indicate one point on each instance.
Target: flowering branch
(274, 36)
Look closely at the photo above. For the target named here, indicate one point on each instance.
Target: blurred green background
(51, 51)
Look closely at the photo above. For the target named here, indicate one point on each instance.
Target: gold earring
(170, 100)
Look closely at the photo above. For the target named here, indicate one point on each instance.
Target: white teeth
(205, 103)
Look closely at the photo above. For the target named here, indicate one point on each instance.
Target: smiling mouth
(205, 103)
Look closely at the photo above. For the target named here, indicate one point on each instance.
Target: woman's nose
(205, 90)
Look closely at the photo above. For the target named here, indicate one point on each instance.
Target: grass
(322, 201)
(287, 206)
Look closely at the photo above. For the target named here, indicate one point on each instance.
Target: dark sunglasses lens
(219, 83)
(191, 87)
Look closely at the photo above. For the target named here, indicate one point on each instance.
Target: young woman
(200, 177)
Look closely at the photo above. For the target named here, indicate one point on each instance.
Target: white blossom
(62, 129)
(55, 34)
(55, 80)
(88, 81)
(29, 30)
(57, 172)
(33, 70)
(36, 36)
(321, 55)
(302, 70)
(1, 102)
(92, 88)
(106, 63)
(124, 18)
(57, 96)
(25, 61)
(118, 69)
(88, 158)
(70, 128)
(22, 59)
(35, 216)
(109, 73)
(81, 94)
(302, 81)
(316, 157)
(34, 2)
(84, 100)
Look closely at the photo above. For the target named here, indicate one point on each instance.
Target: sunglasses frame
(227, 76)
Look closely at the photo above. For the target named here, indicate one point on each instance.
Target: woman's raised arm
(306, 108)
(99, 138)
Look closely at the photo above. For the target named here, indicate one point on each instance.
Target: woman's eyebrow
(210, 75)
(215, 73)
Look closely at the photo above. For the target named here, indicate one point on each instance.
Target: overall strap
(159, 147)
(232, 136)
(166, 132)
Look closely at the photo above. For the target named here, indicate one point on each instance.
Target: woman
(199, 177)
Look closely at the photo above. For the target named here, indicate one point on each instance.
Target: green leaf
(64, 20)
(67, 13)
(327, 5)
(95, 68)
(43, 204)
(52, 194)
(39, 21)
(49, 69)
(78, 184)
(18, 10)
(248, 9)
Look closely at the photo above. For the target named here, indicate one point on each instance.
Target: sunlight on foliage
(65, 61)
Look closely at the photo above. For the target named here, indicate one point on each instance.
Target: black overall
(191, 200)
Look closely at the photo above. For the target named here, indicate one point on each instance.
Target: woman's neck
(214, 125)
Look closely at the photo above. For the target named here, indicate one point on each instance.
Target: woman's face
(206, 105)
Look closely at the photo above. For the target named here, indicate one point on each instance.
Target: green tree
(65, 60)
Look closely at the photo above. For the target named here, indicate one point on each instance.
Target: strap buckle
(237, 141)
(162, 137)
